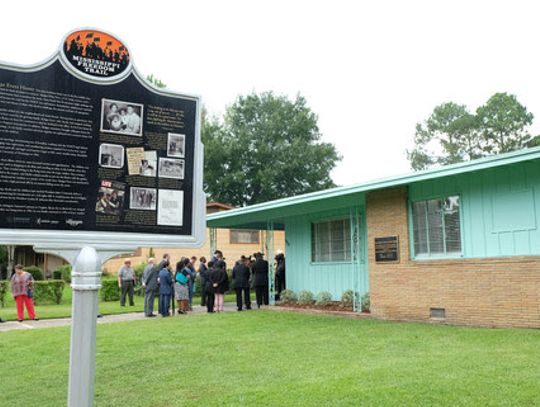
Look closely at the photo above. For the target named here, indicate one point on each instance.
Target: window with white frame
(436, 227)
(331, 241)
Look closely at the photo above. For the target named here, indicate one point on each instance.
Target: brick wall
(501, 292)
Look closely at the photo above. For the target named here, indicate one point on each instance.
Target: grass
(265, 358)
(63, 310)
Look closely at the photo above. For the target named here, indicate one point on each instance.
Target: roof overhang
(257, 216)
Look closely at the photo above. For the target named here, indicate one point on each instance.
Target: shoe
(150, 316)
(20, 320)
(35, 319)
(239, 309)
(248, 308)
(99, 316)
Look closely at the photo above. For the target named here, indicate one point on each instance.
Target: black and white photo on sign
(170, 207)
(176, 145)
(111, 155)
(143, 198)
(110, 199)
(171, 168)
(121, 117)
(148, 166)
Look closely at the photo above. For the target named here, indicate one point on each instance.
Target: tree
(448, 136)
(155, 81)
(452, 134)
(503, 122)
(267, 147)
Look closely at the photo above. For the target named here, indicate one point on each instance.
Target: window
(331, 241)
(242, 236)
(436, 227)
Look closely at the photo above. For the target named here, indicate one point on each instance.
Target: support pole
(213, 241)
(271, 262)
(82, 361)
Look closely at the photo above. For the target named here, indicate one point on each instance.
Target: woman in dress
(181, 289)
(218, 277)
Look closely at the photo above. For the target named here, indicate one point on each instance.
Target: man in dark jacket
(240, 275)
(165, 291)
(260, 273)
(280, 273)
(207, 287)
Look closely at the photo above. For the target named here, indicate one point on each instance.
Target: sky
(370, 70)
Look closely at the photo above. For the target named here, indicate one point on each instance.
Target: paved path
(106, 319)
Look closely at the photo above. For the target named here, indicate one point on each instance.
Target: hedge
(63, 273)
(3, 290)
(109, 289)
(35, 271)
(50, 290)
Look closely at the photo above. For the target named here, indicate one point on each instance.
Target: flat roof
(233, 216)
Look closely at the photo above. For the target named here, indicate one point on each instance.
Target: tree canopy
(266, 147)
(452, 134)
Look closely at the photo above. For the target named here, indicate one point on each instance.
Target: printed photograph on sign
(121, 117)
(171, 168)
(111, 155)
(176, 145)
(143, 198)
(148, 167)
(110, 199)
(170, 207)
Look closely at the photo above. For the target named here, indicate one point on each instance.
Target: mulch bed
(334, 308)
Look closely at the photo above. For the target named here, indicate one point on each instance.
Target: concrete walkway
(106, 319)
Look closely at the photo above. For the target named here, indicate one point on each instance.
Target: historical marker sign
(91, 153)
(386, 249)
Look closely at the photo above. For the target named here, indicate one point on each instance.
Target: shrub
(287, 297)
(139, 270)
(365, 302)
(63, 273)
(48, 291)
(35, 271)
(305, 297)
(109, 289)
(347, 298)
(3, 291)
(323, 298)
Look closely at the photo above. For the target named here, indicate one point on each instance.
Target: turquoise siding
(302, 274)
(499, 208)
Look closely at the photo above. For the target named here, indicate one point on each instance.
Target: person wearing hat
(260, 274)
(126, 282)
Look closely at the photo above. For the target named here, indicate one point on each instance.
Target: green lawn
(63, 310)
(267, 358)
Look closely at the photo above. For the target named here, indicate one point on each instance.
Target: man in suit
(165, 291)
(163, 263)
(260, 273)
(240, 275)
(150, 285)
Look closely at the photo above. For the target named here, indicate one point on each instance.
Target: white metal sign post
(114, 164)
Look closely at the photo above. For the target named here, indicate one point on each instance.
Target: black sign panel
(386, 249)
(89, 156)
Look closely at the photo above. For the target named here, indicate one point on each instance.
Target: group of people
(177, 281)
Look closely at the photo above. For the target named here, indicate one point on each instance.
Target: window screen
(331, 241)
(436, 227)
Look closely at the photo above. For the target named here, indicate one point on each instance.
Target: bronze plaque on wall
(386, 249)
